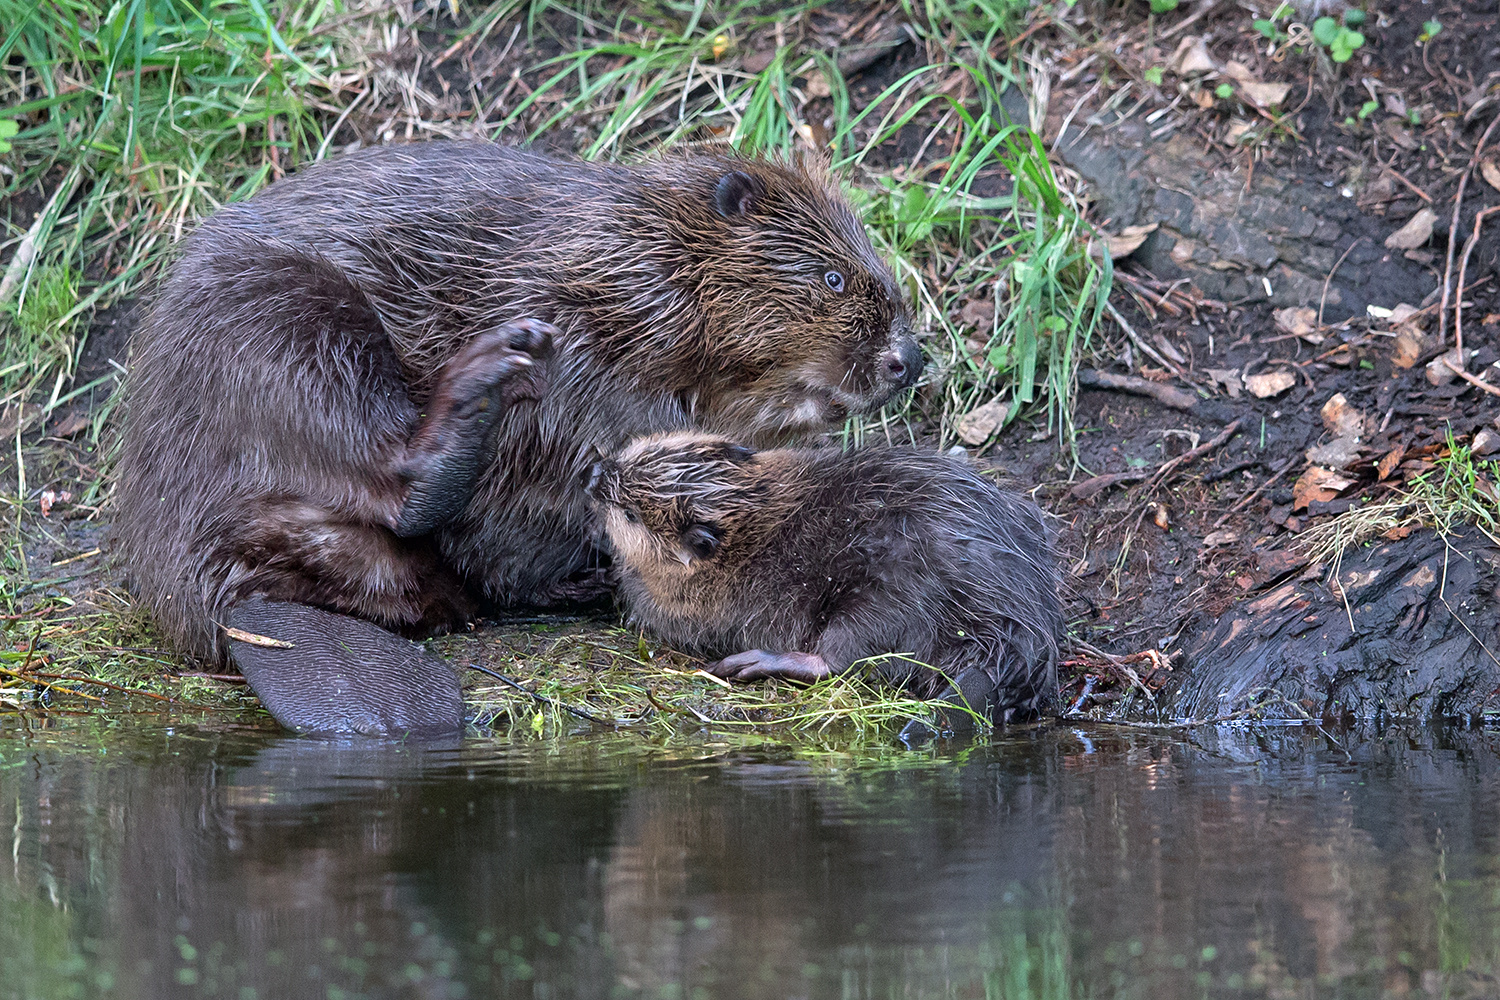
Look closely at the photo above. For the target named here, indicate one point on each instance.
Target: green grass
(136, 118)
(1459, 490)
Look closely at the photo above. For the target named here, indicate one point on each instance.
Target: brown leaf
(1159, 515)
(1320, 484)
(1408, 348)
(1192, 56)
(1299, 321)
(256, 640)
(1397, 533)
(979, 314)
(1268, 384)
(1389, 461)
(976, 427)
(1416, 232)
(1341, 419)
(1129, 240)
(70, 425)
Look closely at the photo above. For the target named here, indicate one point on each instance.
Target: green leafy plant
(1153, 76)
(1270, 27)
(1163, 6)
(8, 128)
(1341, 42)
(1224, 91)
(1367, 109)
(1430, 30)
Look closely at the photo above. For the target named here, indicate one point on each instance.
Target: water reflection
(152, 858)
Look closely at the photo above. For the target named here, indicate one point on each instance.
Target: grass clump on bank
(1460, 490)
(135, 118)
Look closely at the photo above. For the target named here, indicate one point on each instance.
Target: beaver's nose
(903, 365)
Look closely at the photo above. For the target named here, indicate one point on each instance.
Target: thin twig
(543, 699)
(1135, 339)
(1244, 501)
(1470, 378)
(1463, 270)
(1323, 299)
(1458, 206)
(1218, 440)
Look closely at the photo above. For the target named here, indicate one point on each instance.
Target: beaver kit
(375, 390)
(802, 562)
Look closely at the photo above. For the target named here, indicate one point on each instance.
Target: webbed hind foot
(754, 664)
(323, 673)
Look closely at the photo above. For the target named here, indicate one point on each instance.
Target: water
(202, 858)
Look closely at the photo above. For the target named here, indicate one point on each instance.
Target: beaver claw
(444, 457)
(754, 664)
(322, 673)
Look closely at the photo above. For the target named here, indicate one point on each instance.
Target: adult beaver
(801, 562)
(375, 389)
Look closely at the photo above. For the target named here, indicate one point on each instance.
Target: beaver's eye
(632, 516)
(834, 280)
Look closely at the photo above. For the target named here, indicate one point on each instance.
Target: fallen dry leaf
(1417, 231)
(1159, 515)
(976, 427)
(1341, 419)
(1268, 384)
(1192, 57)
(1491, 319)
(1340, 453)
(1406, 313)
(1299, 321)
(1389, 461)
(1318, 484)
(1486, 442)
(978, 313)
(1397, 533)
(1223, 537)
(1490, 171)
(1129, 240)
(70, 425)
(1229, 378)
(1266, 95)
(1408, 348)
(256, 640)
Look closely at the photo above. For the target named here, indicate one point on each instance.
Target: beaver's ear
(702, 540)
(737, 193)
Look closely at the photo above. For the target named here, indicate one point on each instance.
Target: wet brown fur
(844, 555)
(307, 340)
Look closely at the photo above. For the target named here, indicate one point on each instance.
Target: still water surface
(157, 857)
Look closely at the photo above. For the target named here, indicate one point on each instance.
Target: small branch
(1218, 440)
(1135, 339)
(543, 699)
(1463, 270)
(1244, 501)
(1323, 299)
(1455, 369)
(1167, 395)
(1458, 206)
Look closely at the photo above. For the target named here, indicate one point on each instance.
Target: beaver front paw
(453, 442)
